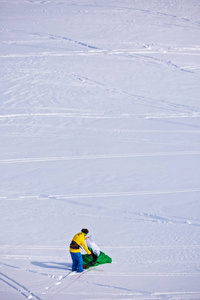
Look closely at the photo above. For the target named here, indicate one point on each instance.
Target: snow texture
(100, 129)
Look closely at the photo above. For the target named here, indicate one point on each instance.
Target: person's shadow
(52, 265)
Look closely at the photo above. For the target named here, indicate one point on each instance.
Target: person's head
(85, 231)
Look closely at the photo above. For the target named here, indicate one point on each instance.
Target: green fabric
(102, 259)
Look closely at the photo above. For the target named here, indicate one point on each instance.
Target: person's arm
(85, 247)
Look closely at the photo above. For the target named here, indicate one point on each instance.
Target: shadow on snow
(52, 265)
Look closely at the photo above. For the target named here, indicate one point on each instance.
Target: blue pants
(77, 262)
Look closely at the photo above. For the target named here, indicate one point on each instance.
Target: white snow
(100, 129)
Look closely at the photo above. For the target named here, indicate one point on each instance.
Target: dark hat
(84, 230)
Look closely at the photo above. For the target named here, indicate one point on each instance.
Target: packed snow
(100, 129)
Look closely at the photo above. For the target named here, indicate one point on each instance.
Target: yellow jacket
(77, 242)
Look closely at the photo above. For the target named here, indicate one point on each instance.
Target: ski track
(143, 56)
(155, 13)
(146, 217)
(101, 195)
(59, 278)
(73, 41)
(92, 157)
(60, 115)
(46, 38)
(62, 284)
(140, 216)
(25, 292)
(174, 110)
(55, 287)
(126, 53)
(182, 111)
(19, 268)
(135, 292)
(146, 102)
(71, 280)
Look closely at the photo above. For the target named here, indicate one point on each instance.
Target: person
(77, 242)
(95, 249)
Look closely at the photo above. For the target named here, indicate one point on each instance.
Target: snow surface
(100, 128)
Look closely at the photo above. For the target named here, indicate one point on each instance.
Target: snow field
(99, 128)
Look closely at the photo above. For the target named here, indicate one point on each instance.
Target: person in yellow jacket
(77, 242)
